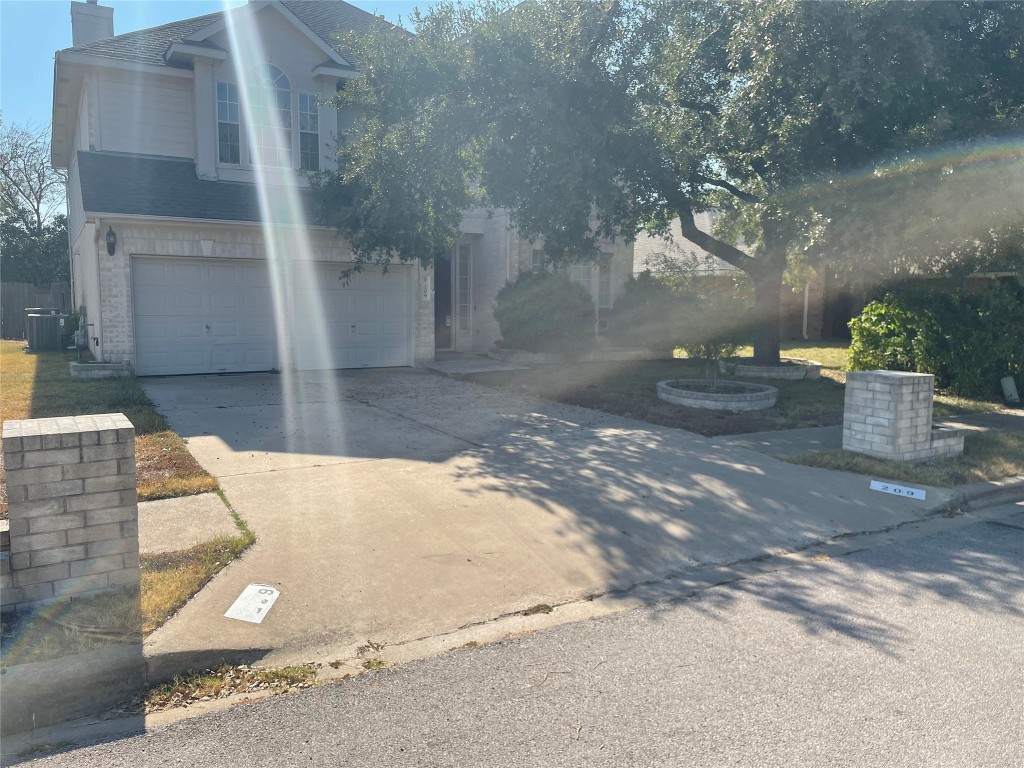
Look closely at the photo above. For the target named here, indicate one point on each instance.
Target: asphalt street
(905, 655)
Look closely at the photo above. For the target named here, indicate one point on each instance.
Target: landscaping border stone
(757, 398)
(792, 369)
(99, 370)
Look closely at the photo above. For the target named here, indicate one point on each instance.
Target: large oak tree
(819, 130)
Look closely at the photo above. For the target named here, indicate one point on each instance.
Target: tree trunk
(767, 291)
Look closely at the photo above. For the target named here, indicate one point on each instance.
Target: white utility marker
(898, 490)
(253, 604)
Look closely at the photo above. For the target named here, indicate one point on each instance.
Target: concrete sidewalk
(397, 505)
(170, 525)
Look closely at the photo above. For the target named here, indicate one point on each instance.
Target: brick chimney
(90, 22)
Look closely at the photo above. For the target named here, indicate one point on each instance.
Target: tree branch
(698, 106)
(730, 254)
(730, 188)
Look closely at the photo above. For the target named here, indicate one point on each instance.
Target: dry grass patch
(986, 456)
(166, 469)
(171, 579)
(226, 681)
(39, 385)
(67, 628)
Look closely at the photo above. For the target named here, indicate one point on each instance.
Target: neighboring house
(803, 314)
(187, 147)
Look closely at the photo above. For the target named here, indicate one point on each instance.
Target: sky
(32, 30)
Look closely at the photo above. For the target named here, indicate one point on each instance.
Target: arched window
(271, 102)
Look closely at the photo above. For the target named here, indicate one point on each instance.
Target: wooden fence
(15, 297)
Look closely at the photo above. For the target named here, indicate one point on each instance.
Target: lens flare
(293, 272)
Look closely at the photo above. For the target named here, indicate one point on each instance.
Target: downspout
(97, 322)
(807, 293)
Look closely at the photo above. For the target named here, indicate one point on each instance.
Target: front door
(443, 302)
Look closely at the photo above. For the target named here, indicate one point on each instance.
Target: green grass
(39, 385)
(986, 456)
(831, 354)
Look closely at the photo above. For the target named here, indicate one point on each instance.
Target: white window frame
(312, 115)
(266, 99)
(463, 285)
(224, 111)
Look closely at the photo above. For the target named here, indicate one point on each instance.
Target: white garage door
(362, 322)
(196, 316)
(215, 316)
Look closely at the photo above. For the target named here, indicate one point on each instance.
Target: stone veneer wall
(73, 509)
(888, 414)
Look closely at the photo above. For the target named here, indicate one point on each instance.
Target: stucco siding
(76, 215)
(145, 114)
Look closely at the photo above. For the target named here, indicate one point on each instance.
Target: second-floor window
(309, 133)
(270, 104)
(273, 119)
(228, 139)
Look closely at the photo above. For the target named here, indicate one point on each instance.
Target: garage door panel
(185, 329)
(184, 274)
(222, 300)
(183, 298)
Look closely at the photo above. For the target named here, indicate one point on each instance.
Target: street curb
(983, 495)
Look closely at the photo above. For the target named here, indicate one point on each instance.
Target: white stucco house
(187, 147)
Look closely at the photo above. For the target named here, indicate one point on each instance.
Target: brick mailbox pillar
(888, 415)
(73, 578)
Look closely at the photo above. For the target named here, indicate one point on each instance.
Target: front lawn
(628, 389)
(986, 456)
(39, 385)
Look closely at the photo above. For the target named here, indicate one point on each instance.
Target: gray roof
(325, 18)
(167, 186)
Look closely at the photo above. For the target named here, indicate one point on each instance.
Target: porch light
(111, 241)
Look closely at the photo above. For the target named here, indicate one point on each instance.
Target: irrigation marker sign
(253, 604)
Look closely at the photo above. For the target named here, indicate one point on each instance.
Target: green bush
(546, 312)
(650, 313)
(883, 337)
(967, 340)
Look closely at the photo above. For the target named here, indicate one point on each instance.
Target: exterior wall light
(111, 241)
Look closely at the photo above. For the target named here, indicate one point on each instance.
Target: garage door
(216, 316)
(196, 316)
(361, 322)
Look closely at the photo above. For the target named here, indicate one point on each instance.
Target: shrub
(649, 314)
(713, 330)
(546, 312)
(883, 337)
(968, 341)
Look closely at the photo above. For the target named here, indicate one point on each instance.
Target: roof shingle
(325, 18)
(167, 186)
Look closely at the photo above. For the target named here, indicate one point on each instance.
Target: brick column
(888, 414)
(73, 508)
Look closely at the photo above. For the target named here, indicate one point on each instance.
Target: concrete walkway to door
(397, 504)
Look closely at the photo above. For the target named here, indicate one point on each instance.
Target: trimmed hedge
(969, 341)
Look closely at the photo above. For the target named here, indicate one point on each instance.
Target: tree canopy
(33, 227)
(870, 134)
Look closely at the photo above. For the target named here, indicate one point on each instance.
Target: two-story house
(187, 148)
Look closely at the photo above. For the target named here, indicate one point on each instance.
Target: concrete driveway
(396, 505)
